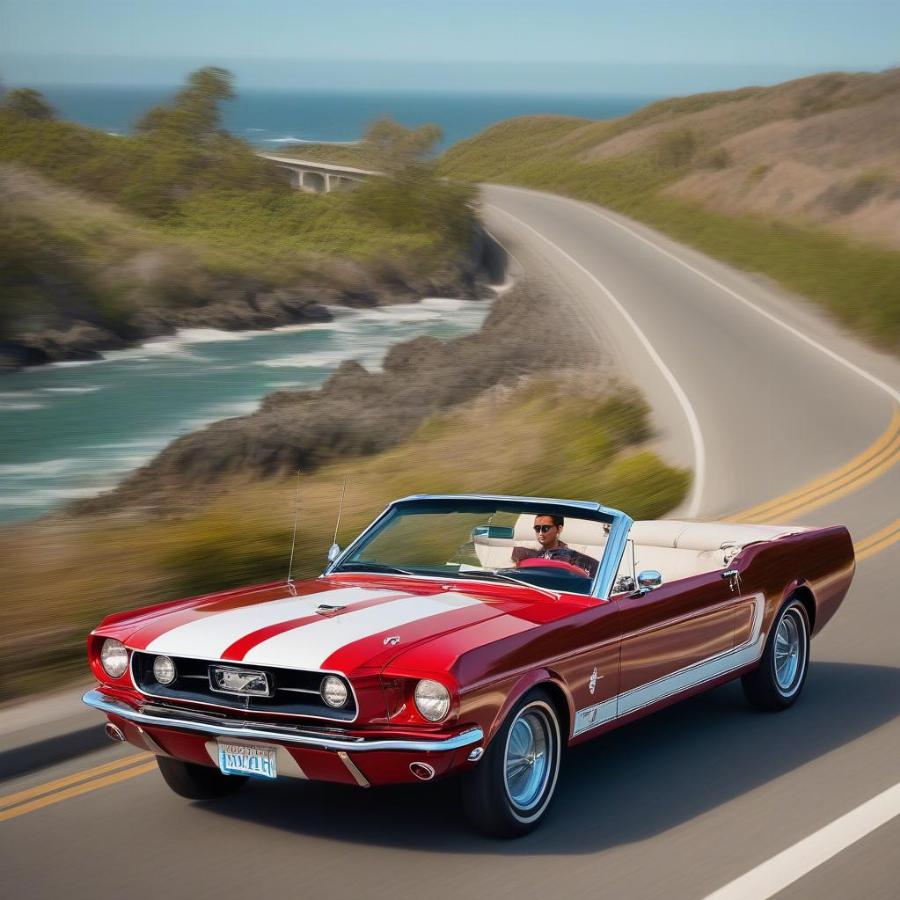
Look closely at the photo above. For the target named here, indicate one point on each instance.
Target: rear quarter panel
(820, 563)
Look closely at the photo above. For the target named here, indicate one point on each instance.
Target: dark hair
(558, 521)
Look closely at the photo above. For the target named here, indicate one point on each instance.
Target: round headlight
(114, 658)
(334, 691)
(432, 700)
(163, 670)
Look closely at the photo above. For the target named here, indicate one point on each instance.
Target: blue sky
(636, 46)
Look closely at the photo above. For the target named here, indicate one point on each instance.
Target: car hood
(330, 624)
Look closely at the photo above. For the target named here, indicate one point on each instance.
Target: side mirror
(649, 579)
(334, 551)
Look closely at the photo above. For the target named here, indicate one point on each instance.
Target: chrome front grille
(292, 691)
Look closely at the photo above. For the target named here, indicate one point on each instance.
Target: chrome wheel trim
(789, 656)
(531, 760)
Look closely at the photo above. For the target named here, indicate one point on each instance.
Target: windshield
(542, 545)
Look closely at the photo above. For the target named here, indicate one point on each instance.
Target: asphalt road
(678, 805)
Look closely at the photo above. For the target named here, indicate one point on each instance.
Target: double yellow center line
(83, 782)
(867, 466)
(879, 541)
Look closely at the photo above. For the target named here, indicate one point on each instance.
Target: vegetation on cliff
(800, 182)
(181, 220)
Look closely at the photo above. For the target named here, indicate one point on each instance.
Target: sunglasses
(542, 529)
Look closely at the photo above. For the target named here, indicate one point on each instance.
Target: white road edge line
(862, 373)
(777, 873)
(699, 478)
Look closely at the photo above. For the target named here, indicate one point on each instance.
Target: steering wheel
(538, 562)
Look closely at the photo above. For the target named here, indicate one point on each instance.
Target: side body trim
(691, 676)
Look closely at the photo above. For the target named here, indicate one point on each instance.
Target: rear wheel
(197, 782)
(509, 791)
(778, 680)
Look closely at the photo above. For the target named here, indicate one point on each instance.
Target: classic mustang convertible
(475, 636)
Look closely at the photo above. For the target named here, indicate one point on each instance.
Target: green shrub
(718, 158)
(643, 486)
(675, 149)
(757, 173)
(849, 196)
(27, 103)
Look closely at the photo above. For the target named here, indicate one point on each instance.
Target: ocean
(72, 430)
(269, 117)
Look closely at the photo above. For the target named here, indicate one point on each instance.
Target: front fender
(521, 687)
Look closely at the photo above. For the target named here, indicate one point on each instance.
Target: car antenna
(290, 578)
(337, 524)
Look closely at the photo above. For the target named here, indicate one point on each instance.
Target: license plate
(247, 759)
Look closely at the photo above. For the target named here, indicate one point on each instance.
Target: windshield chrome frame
(601, 588)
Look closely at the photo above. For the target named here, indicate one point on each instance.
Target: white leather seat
(682, 549)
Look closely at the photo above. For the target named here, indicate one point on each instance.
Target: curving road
(783, 418)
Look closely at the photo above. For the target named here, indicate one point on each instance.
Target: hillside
(800, 181)
(109, 239)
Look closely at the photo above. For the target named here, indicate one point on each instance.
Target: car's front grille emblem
(244, 682)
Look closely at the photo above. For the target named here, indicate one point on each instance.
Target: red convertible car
(475, 636)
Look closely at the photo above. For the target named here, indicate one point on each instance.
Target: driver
(547, 530)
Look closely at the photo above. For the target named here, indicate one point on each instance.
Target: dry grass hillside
(823, 149)
(800, 181)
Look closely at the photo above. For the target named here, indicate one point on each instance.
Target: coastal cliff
(358, 412)
(111, 240)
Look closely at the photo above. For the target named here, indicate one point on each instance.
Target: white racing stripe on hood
(308, 647)
(210, 635)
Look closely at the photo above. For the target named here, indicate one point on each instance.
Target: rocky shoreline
(238, 304)
(357, 412)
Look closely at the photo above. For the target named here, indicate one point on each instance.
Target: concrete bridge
(319, 177)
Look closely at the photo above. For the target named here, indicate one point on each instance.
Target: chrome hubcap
(788, 649)
(528, 758)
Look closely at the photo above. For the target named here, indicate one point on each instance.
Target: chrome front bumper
(184, 720)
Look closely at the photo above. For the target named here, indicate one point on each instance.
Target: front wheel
(776, 683)
(197, 782)
(509, 791)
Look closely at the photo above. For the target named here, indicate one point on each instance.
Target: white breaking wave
(19, 406)
(323, 359)
(235, 408)
(43, 469)
(158, 347)
(87, 389)
(217, 413)
(295, 140)
(146, 444)
(213, 335)
(17, 395)
(74, 363)
(45, 496)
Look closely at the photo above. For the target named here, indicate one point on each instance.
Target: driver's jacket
(563, 553)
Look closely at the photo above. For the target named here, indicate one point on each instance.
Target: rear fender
(803, 589)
